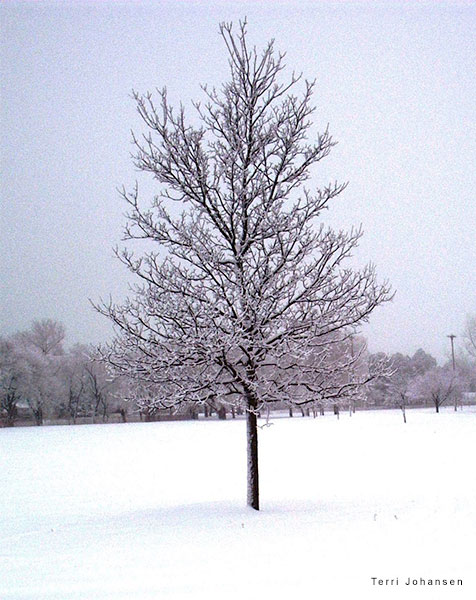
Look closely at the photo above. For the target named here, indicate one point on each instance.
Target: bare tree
(439, 385)
(100, 387)
(470, 337)
(75, 401)
(251, 294)
(10, 374)
(395, 389)
(41, 352)
(40, 385)
(45, 336)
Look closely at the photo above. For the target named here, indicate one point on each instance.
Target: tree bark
(38, 412)
(12, 413)
(252, 455)
(402, 407)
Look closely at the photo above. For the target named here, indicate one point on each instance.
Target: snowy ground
(156, 511)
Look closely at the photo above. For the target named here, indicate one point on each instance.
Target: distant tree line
(42, 382)
(419, 381)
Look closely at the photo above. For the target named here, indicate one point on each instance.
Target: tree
(40, 350)
(360, 368)
(466, 368)
(420, 363)
(101, 388)
(44, 336)
(379, 389)
(247, 293)
(470, 337)
(438, 385)
(72, 374)
(10, 374)
(394, 388)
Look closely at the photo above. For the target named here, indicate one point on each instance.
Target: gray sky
(395, 81)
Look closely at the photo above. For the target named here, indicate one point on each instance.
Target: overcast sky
(395, 81)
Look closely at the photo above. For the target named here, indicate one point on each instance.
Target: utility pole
(452, 338)
(352, 400)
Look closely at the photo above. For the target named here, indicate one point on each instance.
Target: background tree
(469, 337)
(40, 352)
(420, 363)
(394, 389)
(467, 371)
(74, 400)
(10, 377)
(378, 389)
(102, 388)
(247, 293)
(405, 370)
(360, 369)
(45, 336)
(439, 385)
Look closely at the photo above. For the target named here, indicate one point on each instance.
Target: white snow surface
(157, 510)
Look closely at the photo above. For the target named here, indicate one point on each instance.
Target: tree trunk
(404, 413)
(252, 456)
(12, 413)
(39, 415)
(290, 411)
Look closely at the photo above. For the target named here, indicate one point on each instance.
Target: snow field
(157, 511)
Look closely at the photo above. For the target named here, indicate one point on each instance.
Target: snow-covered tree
(88, 388)
(74, 401)
(466, 367)
(393, 390)
(45, 336)
(439, 385)
(40, 352)
(247, 293)
(10, 376)
(470, 337)
(102, 388)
